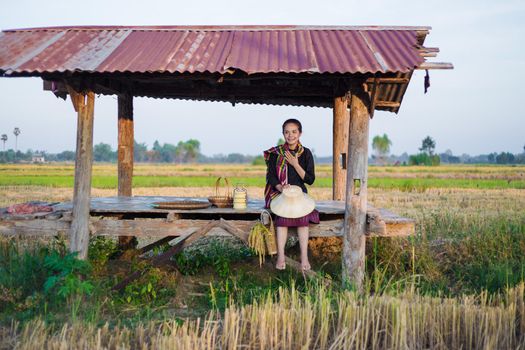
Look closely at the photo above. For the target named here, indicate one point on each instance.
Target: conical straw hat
(292, 203)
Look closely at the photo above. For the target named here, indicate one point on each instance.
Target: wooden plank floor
(144, 204)
(136, 216)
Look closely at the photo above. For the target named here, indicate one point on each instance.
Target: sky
(472, 109)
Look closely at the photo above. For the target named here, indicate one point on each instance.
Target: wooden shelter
(353, 70)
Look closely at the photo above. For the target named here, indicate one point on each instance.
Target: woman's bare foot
(305, 265)
(281, 263)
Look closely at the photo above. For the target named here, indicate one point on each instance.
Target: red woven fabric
(313, 218)
(28, 208)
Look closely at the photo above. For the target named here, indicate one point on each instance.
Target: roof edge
(223, 28)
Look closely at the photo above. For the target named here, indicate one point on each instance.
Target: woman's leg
(282, 236)
(302, 232)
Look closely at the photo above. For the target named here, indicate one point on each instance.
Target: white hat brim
(292, 208)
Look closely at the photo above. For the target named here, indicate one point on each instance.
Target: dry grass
(247, 170)
(317, 320)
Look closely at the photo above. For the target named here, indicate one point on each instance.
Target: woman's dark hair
(293, 121)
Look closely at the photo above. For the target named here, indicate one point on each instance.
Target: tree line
(183, 152)
(427, 156)
(189, 152)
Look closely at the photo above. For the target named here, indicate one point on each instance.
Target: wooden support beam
(178, 245)
(79, 232)
(373, 97)
(354, 227)
(155, 244)
(341, 119)
(428, 51)
(384, 224)
(74, 96)
(235, 231)
(388, 80)
(387, 104)
(435, 65)
(125, 156)
(125, 145)
(428, 54)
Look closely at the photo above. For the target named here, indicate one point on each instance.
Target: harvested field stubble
(317, 319)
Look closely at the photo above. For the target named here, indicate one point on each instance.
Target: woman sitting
(290, 164)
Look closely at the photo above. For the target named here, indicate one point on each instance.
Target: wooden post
(84, 104)
(356, 192)
(340, 147)
(125, 145)
(125, 155)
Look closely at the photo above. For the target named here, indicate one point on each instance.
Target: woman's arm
(271, 173)
(309, 176)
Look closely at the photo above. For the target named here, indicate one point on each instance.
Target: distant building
(38, 158)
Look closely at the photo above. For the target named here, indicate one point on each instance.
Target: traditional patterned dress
(280, 172)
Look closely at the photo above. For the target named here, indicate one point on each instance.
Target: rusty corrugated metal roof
(214, 49)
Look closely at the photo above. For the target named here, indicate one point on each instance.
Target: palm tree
(381, 144)
(16, 132)
(4, 139)
(428, 145)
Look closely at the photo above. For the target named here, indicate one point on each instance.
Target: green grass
(199, 181)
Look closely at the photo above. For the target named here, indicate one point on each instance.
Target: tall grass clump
(454, 253)
(317, 319)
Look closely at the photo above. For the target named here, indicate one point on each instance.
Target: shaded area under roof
(169, 61)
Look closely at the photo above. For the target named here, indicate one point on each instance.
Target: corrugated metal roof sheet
(251, 49)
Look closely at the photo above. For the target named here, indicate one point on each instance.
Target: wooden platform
(136, 216)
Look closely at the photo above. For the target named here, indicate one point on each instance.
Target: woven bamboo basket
(222, 201)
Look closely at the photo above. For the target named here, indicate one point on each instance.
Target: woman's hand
(280, 187)
(294, 161)
(291, 159)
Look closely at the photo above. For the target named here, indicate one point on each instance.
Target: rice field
(197, 175)
(459, 283)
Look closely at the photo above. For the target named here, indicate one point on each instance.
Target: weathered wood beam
(387, 104)
(388, 80)
(125, 145)
(384, 224)
(125, 156)
(341, 117)
(242, 234)
(176, 247)
(85, 104)
(435, 65)
(429, 49)
(269, 100)
(373, 97)
(223, 91)
(75, 97)
(354, 229)
(155, 244)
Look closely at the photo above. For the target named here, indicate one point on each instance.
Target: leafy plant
(100, 250)
(136, 293)
(67, 275)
